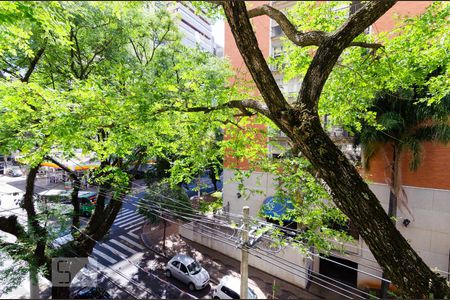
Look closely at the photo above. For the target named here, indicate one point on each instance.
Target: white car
(14, 172)
(187, 270)
(229, 288)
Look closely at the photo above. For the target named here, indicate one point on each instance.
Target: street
(122, 265)
(127, 268)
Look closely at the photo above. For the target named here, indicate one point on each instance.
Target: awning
(73, 166)
(276, 207)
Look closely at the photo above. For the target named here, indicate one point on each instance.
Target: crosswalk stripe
(135, 224)
(125, 247)
(115, 251)
(133, 235)
(131, 242)
(134, 229)
(125, 215)
(129, 220)
(124, 210)
(104, 256)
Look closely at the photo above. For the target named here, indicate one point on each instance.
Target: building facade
(196, 29)
(428, 189)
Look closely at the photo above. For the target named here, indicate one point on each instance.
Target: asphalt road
(123, 266)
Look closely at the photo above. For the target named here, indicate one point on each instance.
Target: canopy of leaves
(109, 78)
(417, 46)
(162, 202)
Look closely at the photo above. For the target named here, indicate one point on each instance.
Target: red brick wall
(243, 78)
(403, 8)
(435, 168)
(434, 171)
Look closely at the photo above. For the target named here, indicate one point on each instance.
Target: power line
(137, 266)
(369, 274)
(364, 272)
(289, 264)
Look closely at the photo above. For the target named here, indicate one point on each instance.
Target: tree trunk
(352, 195)
(395, 175)
(36, 231)
(95, 232)
(301, 123)
(34, 283)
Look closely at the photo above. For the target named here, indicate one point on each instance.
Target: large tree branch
(330, 50)
(298, 37)
(247, 44)
(74, 195)
(242, 105)
(33, 64)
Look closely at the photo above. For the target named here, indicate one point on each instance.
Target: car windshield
(194, 268)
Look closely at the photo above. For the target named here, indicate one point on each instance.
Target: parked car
(14, 172)
(229, 288)
(92, 293)
(187, 270)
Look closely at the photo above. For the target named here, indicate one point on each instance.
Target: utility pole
(244, 254)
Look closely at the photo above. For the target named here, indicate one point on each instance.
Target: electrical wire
(369, 274)
(137, 266)
(315, 274)
(222, 221)
(277, 266)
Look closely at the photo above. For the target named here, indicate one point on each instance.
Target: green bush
(167, 202)
(212, 204)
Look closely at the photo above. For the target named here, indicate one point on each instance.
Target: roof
(276, 207)
(231, 282)
(185, 259)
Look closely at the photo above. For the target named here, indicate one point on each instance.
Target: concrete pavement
(218, 265)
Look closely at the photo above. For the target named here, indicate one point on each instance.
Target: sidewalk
(219, 265)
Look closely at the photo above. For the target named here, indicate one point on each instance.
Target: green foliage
(404, 120)
(211, 206)
(417, 46)
(162, 200)
(111, 79)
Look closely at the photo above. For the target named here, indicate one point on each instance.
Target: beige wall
(261, 181)
(428, 232)
(295, 276)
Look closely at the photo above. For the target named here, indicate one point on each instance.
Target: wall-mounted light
(238, 195)
(406, 222)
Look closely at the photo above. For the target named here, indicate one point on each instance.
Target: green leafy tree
(101, 77)
(404, 123)
(342, 70)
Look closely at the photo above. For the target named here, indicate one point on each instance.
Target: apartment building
(196, 29)
(428, 189)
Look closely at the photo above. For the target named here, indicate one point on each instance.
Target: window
(230, 293)
(276, 31)
(176, 264)
(183, 269)
(194, 268)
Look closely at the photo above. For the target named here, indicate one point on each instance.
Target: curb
(145, 242)
(160, 254)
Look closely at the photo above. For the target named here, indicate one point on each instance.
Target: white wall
(428, 232)
(297, 276)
